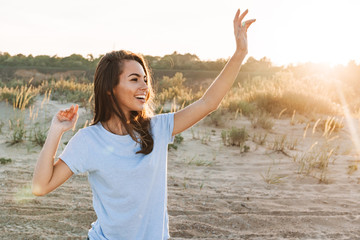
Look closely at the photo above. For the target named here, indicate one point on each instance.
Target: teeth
(140, 97)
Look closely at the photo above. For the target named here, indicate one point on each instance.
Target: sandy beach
(214, 191)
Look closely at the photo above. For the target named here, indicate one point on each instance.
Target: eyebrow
(136, 74)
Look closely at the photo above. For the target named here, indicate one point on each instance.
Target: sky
(285, 31)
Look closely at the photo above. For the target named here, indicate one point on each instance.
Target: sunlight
(349, 120)
(307, 31)
(24, 194)
(285, 31)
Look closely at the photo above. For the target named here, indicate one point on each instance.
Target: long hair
(107, 73)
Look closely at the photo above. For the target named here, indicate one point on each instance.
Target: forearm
(217, 90)
(45, 163)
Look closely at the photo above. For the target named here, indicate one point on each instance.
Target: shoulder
(161, 119)
(95, 128)
(87, 131)
(162, 125)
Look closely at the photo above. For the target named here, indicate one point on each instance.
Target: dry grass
(172, 89)
(284, 91)
(279, 95)
(196, 161)
(262, 120)
(259, 138)
(70, 91)
(352, 168)
(271, 178)
(20, 97)
(315, 162)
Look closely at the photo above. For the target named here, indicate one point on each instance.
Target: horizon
(258, 59)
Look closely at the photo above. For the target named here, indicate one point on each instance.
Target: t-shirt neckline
(123, 137)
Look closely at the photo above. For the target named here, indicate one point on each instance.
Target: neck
(115, 126)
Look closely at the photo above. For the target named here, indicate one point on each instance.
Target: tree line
(189, 64)
(174, 61)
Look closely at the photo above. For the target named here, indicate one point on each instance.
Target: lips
(141, 98)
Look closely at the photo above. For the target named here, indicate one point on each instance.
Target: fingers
(74, 120)
(76, 108)
(68, 114)
(237, 16)
(249, 22)
(243, 15)
(60, 117)
(238, 20)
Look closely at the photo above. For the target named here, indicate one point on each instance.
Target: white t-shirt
(129, 189)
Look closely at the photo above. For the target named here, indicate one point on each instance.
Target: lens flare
(349, 120)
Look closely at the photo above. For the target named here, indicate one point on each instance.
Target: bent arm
(211, 99)
(47, 175)
(217, 90)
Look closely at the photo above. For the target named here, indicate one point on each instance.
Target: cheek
(125, 95)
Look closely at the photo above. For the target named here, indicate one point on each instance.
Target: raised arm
(47, 175)
(211, 99)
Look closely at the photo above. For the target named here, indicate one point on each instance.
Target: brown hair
(106, 78)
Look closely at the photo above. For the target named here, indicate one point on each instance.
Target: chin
(139, 109)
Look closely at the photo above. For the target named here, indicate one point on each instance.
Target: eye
(145, 80)
(134, 79)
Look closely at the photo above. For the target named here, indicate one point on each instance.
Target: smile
(141, 98)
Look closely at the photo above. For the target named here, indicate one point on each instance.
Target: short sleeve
(164, 126)
(75, 153)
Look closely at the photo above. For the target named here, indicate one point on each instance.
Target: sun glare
(285, 31)
(307, 31)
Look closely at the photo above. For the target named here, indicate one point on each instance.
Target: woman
(124, 150)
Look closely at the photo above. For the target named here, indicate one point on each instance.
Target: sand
(214, 191)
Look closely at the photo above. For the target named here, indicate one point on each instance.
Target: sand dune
(215, 192)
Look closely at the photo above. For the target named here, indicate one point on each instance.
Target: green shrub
(5, 160)
(39, 136)
(1, 125)
(243, 107)
(234, 136)
(177, 140)
(172, 90)
(215, 117)
(17, 131)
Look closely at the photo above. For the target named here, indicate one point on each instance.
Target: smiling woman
(120, 79)
(132, 89)
(124, 151)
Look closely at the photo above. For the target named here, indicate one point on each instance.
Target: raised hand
(66, 119)
(67, 114)
(240, 31)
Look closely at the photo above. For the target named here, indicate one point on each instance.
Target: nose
(144, 86)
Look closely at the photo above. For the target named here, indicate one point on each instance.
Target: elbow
(211, 105)
(38, 194)
(37, 190)
(215, 107)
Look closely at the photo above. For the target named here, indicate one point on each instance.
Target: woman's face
(132, 89)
